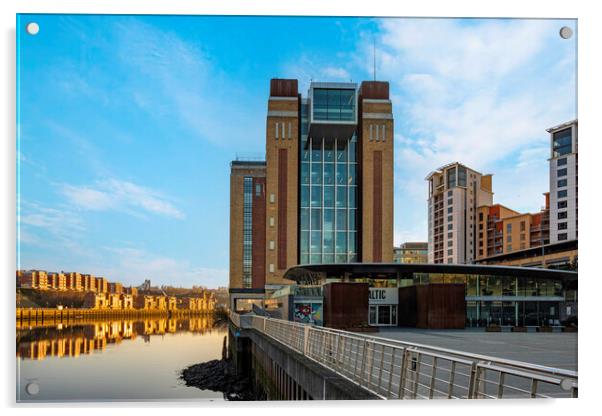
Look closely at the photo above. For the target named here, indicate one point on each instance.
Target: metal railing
(394, 369)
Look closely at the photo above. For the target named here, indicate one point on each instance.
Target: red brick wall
(282, 206)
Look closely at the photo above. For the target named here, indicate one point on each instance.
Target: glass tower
(328, 182)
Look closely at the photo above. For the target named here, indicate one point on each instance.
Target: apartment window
(450, 193)
(562, 204)
(450, 243)
(450, 235)
(509, 228)
(449, 226)
(480, 235)
(480, 252)
(450, 260)
(561, 172)
(561, 142)
(480, 243)
(509, 247)
(561, 183)
(561, 162)
(271, 267)
(450, 209)
(522, 237)
(562, 236)
(562, 215)
(271, 221)
(450, 201)
(257, 190)
(562, 194)
(272, 198)
(522, 226)
(522, 246)
(480, 216)
(272, 245)
(450, 252)
(451, 178)
(509, 239)
(562, 225)
(450, 218)
(480, 226)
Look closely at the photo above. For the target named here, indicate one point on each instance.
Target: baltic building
(324, 193)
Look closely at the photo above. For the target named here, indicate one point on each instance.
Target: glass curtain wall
(329, 199)
(247, 260)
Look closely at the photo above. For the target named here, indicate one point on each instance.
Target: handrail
(393, 369)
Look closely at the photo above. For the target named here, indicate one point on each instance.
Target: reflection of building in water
(37, 343)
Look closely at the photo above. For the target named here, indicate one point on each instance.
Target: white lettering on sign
(383, 296)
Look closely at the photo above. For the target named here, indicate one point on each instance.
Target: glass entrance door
(383, 315)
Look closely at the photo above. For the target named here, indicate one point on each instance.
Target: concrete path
(549, 349)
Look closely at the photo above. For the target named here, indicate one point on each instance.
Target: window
(509, 228)
(509, 247)
(272, 245)
(450, 202)
(461, 176)
(522, 237)
(450, 243)
(450, 235)
(561, 172)
(480, 216)
(449, 226)
(522, 246)
(480, 252)
(271, 268)
(450, 193)
(562, 236)
(271, 221)
(450, 210)
(257, 190)
(509, 239)
(562, 194)
(561, 183)
(480, 226)
(451, 177)
(450, 252)
(450, 218)
(562, 204)
(562, 215)
(561, 142)
(561, 162)
(272, 198)
(562, 225)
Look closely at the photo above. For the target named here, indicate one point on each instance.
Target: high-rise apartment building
(326, 184)
(455, 193)
(563, 182)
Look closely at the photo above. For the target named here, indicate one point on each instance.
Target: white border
(590, 69)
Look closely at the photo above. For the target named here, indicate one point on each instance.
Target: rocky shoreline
(219, 375)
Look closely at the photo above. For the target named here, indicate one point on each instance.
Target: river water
(115, 360)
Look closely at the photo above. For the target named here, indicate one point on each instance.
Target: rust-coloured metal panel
(282, 206)
(346, 305)
(258, 229)
(283, 87)
(433, 306)
(375, 90)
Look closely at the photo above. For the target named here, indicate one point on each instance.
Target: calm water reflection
(115, 360)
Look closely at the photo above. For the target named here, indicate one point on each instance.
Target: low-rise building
(74, 281)
(34, 279)
(161, 302)
(115, 287)
(144, 302)
(172, 303)
(95, 301)
(89, 282)
(114, 301)
(127, 301)
(102, 286)
(411, 253)
(131, 291)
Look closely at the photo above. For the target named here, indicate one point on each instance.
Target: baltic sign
(383, 296)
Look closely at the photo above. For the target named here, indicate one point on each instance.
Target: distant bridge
(382, 368)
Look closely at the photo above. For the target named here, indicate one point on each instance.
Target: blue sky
(127, 124)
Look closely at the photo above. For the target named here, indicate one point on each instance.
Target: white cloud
(132, 265)
(113, 194)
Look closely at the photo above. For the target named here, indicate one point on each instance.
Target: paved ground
(550, 349)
